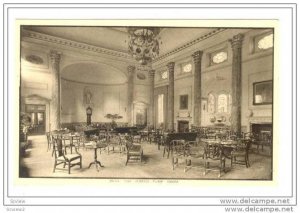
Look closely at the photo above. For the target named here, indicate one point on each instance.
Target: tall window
(160, 108)
(222, 103)
(211, 103)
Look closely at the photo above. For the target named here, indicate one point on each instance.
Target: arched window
(222, 103)
(263, 42)
(211, 103)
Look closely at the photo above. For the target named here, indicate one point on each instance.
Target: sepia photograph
(146, 102)
(171, 106)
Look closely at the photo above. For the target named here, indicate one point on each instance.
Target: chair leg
(54, 166)
(173, 162)
(69, 167)
(127, 160)
(205, 165)
(247, 160)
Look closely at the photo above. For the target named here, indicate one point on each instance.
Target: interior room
(150, 102)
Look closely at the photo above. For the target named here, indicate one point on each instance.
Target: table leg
(96, 162)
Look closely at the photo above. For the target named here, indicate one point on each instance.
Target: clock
(89, 111)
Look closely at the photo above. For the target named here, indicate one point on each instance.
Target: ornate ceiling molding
(73, 44)
(191, 43)
(96, 49)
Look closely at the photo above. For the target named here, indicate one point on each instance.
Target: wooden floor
(40, 164)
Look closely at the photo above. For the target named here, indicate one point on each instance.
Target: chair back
(178, 147)
(66, 140)
(193, 149)
(57, 145)
(213, 151)
(114, 139)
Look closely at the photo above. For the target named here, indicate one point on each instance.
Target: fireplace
(258, 128)
(183, 126)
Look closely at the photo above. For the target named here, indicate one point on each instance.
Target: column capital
(237, 41)
(130, 69)
(197, 56)
(55, 56)
(171, 66)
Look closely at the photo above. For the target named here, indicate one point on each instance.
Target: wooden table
(97, 145)
(226, 146)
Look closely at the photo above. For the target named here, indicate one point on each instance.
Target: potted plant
(25, 125)
(113, 118)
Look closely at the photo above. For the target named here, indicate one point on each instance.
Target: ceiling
(116, 38)
(113, 38)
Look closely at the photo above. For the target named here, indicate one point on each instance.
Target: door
(37, 114)
(183, 126)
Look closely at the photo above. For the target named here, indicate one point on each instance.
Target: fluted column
(171, 66)
(236, 85)
(151, 104)
(55, 100)
(197, 57)
(130, 92)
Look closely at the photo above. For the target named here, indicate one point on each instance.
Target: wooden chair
(240, 154)
(262, 140)
(49, 143)
(213, 154)
(189, 136)
(178, 149)
(67, 142)
(113, 142)
(194, 151)
(61, 157)
(134, 151)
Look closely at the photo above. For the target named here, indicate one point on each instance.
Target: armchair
(241, 151)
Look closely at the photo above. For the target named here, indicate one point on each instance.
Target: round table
(97, 145)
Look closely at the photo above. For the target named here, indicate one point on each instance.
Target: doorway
(37, 115)
(183, 126)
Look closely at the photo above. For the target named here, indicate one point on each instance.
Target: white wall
(105, 99)
(216, 79)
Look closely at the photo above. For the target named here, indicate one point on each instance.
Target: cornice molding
(191, 43)
(96, 49)
(73, 44)
(93, 84)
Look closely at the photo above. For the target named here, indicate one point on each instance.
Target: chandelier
(143, 44)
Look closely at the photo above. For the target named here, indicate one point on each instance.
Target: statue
(87, 96)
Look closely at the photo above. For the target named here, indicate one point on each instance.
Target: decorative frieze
(73, 44)
(191, 43)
